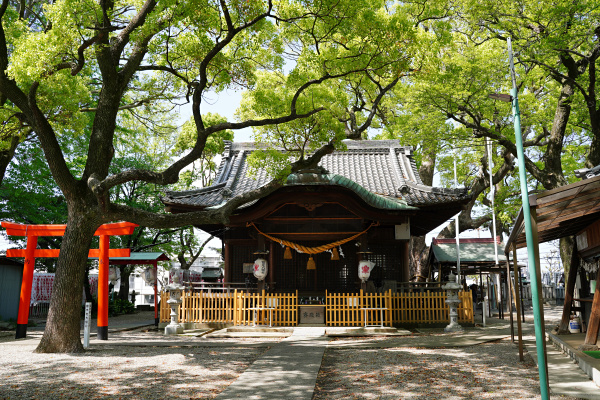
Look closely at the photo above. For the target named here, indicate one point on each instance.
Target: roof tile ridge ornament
(233, 173)
(179, 194)
(318, 170)
(431, 189)
(363, 145)
(398, 174)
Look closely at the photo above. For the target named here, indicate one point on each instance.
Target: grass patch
(595, 353)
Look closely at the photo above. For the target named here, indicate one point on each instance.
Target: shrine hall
(361, 203)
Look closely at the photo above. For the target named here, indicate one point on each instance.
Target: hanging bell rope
(310, 265)
(311, 250)
(287, 255)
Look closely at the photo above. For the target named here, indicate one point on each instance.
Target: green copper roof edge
(370, 198)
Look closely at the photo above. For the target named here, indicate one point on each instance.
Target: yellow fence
(238, 308)
(352, 309)
(429, 308)
(342, 309)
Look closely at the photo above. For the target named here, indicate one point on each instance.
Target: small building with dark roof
(370, 192)
(11, 274)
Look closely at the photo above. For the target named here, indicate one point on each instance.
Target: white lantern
(364, 269)
(113, 274)
(260, 269)
(149, 275)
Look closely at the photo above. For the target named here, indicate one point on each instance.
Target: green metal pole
(535, 297)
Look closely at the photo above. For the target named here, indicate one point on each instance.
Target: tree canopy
(83, 69)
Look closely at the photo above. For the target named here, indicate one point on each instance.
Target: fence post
(361, 303)
(388, 305)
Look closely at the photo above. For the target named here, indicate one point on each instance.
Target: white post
(86, 325)
(492, 195)
(484, 309)
(458, 276)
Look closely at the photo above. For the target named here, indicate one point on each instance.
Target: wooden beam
(54, 253)
(518, 303)
(13, 229)
(511, 296)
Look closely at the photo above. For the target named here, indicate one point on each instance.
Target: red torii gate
(30, 253)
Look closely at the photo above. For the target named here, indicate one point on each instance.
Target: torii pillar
(32, 232)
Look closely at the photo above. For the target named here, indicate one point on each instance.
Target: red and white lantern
(261, 268)
(364, 270)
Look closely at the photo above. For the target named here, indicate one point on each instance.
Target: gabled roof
(382, 172)
(141, 257)
(474, 251)
(561, 212)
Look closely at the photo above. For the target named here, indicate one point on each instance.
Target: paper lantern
(261, 268)
(149, 275)
(364, 270)
(113, 274)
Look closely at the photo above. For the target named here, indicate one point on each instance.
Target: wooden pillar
(538, 277)
(518, 303)
(521, 290)
(591, 337)
(406, 262)
(155, 293)
(271, 264)
(563, 328)
(510, 298)
(103, 288)
(227, 261)
(26, 284)
(501, 305)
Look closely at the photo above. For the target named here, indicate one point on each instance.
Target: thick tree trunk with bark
(124, 285)
(418, 249)
(7, 155)
(418, 258)
(63, 324)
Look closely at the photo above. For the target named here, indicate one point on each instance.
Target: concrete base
(362, 331)
(249, 331)
(173, 329)
(454, 327)
(21, 331)
(102, 333)
(588, 347)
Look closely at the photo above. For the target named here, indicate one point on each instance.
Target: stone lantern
(175, 290)
(452, 289)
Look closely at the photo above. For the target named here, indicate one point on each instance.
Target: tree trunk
(7, 155)
(62, 333)
(418, 249)
(418, 258)
(566, 250)
(124, 286)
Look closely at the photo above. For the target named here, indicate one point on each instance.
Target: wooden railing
(236, 307)
(342, 309)
(352, 309)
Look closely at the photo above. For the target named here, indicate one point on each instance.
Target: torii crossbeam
(30, 253)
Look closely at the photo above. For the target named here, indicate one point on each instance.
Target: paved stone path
(287, 371)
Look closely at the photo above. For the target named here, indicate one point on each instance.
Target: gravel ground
(486, 371)
(122, 372)
(138, 365)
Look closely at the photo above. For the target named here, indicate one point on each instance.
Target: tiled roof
(382, 167)
(471, 251)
